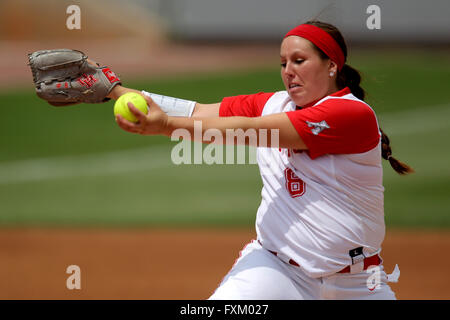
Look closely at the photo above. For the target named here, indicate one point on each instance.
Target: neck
(332, 88)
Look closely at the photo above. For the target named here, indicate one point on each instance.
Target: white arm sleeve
(172, 106)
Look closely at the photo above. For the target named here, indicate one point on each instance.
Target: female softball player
(320, 224)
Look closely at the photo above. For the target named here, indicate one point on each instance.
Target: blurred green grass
(74, 166)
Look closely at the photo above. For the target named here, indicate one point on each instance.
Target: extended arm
(156, 122)
(200, 110)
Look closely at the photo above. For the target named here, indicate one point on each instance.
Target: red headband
(322, 40)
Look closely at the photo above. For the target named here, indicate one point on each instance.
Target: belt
(370, 261)
(276, 254)
(290, 260)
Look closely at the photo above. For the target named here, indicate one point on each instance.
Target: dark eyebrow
(294, 53)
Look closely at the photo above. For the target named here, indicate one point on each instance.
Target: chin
(299, 101)
(303, 100)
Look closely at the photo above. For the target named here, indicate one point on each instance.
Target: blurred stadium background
(69, 177)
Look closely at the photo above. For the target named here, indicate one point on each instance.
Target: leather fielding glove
(65, 77)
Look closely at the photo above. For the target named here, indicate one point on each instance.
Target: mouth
(294, 86)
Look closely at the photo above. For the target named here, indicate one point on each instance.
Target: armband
(172, 106)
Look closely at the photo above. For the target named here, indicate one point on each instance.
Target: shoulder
(337, 125)
(346, 109)
(248, 105)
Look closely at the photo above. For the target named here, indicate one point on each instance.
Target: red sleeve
(336, 126)
(244, 105)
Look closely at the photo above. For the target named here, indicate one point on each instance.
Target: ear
(332, 67)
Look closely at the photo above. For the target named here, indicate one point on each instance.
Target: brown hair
(351, 78)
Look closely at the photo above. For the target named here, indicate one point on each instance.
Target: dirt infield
(178, 264)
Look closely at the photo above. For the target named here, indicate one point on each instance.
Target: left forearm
(258, 131)
(221, 125)
(275, 130)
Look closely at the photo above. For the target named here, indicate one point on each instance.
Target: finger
(150, 103)
(148, 100)
(127, 125)
(136, 112)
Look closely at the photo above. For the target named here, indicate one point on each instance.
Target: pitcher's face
(306, 76)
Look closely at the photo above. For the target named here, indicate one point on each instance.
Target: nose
(288, 70)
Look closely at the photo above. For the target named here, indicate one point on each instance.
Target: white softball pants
(260, 275)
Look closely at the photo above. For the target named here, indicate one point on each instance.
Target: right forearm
(173, 106)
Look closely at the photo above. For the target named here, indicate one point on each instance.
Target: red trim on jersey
(339, 93)
(336, 126)
(244, 105)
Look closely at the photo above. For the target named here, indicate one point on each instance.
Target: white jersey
(319, 205)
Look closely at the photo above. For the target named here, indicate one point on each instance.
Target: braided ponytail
(351, 78)
(386, 153)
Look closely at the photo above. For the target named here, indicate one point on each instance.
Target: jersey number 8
(294, 184)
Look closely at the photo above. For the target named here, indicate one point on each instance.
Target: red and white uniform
(319, 204)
